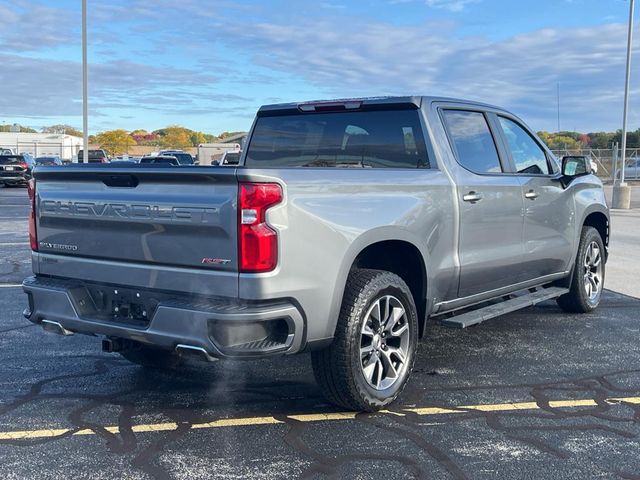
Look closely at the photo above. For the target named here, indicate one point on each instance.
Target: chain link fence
(608, 161)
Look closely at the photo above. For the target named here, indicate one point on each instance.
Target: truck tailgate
(156, 217)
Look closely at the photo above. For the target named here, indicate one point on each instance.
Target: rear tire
(153, 358)
(373, 351)
(587, 279)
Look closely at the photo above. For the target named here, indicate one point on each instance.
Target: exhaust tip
(55, 327)
(193, 351)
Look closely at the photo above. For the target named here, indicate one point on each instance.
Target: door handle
(531, 195)
(472, 197)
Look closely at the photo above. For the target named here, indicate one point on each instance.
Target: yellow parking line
(237, 422)
(316, 417)
(323, 417)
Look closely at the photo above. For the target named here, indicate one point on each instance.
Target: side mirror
(575, 166)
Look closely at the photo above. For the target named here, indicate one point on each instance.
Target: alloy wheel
(384, 343)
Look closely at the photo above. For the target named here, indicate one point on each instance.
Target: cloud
(254, 50)
(451, 5)
(29, 26)
(53, 88)
(357, 58)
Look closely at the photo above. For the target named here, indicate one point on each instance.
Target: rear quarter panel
(330, 215)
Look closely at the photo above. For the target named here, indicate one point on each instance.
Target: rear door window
(363, 139)
(472, 141)
(528, 157)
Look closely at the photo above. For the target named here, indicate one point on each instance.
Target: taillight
(24, 165)
(257, 241)
(33, 237)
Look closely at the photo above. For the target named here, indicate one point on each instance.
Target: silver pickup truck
(345, 227)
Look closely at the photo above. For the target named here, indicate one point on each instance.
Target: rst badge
(215, 261)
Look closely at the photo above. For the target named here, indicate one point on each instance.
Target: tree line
(118, 141)
(174, 136)
(576, 140)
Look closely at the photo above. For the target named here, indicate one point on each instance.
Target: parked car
(166, 159)
(95, 156)
(48, 161)
(15, 169)
(230, 159)
(632, 169)
(183, 158)
(349, 224)
(6, 151)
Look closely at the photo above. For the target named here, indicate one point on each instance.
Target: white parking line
(13, 244)
(10, 285)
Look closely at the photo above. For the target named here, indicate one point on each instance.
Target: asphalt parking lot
(535, 394)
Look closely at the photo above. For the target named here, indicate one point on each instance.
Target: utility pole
(85, 87)
(558, 98)
(622, 191)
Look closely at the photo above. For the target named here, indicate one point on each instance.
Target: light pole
(622, 191)
(85, 87)
(558, 94)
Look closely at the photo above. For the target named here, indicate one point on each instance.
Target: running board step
(495, 310)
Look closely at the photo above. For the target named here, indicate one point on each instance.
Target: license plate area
(120, 305)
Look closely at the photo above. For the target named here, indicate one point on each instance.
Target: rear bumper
(220, 327)
(14, 179)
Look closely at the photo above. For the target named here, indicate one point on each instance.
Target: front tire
(588, 274)
(373, 352)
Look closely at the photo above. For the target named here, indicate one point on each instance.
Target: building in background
(238, 138)
(42, 144)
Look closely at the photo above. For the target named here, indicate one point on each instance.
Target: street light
(85, 110)
(622, 191)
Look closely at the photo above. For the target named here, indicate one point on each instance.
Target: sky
(209, 64)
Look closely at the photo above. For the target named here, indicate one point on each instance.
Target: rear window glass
(165, 160)
(11, 159)
(232, 158)
(371, 139)
(183, 158)
(93, 154)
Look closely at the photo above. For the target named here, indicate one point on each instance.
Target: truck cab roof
(363, 103)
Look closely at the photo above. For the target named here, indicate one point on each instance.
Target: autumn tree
(601, 139)
(584, 140)
(115, 142)
(197, 138)
(175, 136)
(633, 138)
(559, 141)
